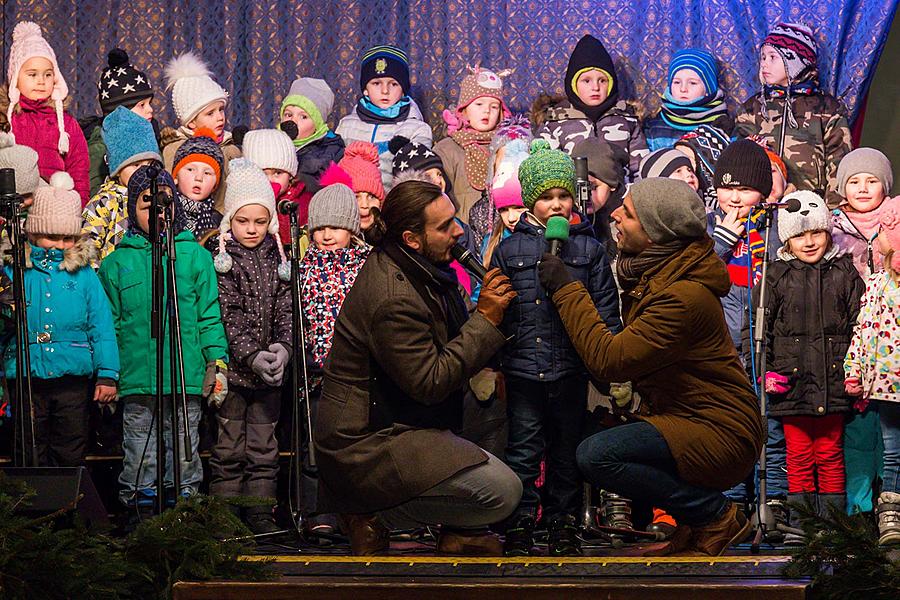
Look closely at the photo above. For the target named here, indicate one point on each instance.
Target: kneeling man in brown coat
(700, 431)
(404, 349)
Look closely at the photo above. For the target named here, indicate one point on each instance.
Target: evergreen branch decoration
(843, 557)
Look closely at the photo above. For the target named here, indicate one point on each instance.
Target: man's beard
(433, 256)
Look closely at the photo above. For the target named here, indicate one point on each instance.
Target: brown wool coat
(677, 351)
(385, 323)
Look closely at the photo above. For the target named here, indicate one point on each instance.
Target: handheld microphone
(469, 261)
(557, 233)
(582, 184)
(286, 207)
(791, 205)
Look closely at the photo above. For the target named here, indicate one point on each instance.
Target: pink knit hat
(27, 42)
(56, 209)
(890, 227)
(361, 163)
(505, 189)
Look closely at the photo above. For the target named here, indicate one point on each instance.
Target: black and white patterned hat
(121, 84)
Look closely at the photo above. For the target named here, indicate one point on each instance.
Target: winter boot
(806, 498)
(888, 518)
(781, 512)
(616, 511)
(838, 501)
(519, 537)
(562, 536)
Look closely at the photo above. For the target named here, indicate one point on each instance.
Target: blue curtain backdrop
(256, 48)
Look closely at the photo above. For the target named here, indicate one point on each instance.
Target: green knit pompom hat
(544, 170)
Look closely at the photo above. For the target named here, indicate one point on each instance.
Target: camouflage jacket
(563, 125)
(813, 149)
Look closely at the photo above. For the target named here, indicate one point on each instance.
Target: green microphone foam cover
(557, 228)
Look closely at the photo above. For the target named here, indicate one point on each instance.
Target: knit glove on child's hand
(263, 364)
(282, 356)
(853, 386)
(215, 383)
(776, 384)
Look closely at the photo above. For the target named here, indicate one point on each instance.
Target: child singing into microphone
(546, 382)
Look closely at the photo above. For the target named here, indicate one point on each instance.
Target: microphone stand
(10, 203)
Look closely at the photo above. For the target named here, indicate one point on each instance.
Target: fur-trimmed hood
(82, 254)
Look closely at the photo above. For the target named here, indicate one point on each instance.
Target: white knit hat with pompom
(56, 209)
(192, 86)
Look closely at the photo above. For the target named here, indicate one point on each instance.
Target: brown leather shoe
(677, 543)
(731, 528)
(368, 537)
(468, 543)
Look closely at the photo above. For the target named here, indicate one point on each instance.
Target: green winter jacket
(126, 277)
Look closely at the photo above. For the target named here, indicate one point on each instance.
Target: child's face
(213, 117)
(196, 180)
(741, 198)
(687, 175)
(384, 92)
(36, 78)
(592, 87)
(282, 178)
(864, 192)
(305, 125)
(553, 202)
(127, 171)
(483, 113)
(510, 216)
(142, 207)
(810, 246)
(250, 224)
(366, 203)
(778, 184)
(144, 108)
(331, 238)
(687, 86)
(600, 194)
(436, 177)
(771, 67)
(46, 241)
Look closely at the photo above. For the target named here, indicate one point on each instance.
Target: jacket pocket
(134, 298)
(579, 266)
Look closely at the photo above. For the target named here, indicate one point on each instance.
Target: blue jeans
(545, 422)
(634, 461)
(138, 430)
(776, 469)
(890, 433)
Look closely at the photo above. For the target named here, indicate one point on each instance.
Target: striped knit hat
(544, 170)
(663, 163)
(201, 148)
(797, 47)
(384, 61)
(700, 62)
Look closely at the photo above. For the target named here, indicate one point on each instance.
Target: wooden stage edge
(527, 578)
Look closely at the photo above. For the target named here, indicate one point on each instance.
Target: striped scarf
(751, 246)
(686, 117)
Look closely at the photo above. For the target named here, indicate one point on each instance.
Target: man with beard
(700, 431)
(404, 350)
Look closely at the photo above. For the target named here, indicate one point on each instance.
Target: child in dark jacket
(812, 306)
(74, 357)
(255, 296)
(546, 382)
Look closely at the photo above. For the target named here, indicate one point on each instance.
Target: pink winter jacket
(35, 126)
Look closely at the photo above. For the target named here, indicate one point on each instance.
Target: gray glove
(263, 365)
(280, 362)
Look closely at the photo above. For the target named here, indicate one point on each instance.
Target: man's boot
(729, 529)
(368, 537)
(260, 520)
(468, 542)
(888, 518)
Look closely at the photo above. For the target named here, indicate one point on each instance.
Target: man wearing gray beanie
(701, 431)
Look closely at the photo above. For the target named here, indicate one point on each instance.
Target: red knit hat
(361, 163)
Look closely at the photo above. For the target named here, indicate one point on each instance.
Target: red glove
(853, 386)
(775, 383)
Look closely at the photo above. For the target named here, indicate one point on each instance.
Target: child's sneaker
(562, 539)
(889, 518)
(519, 537)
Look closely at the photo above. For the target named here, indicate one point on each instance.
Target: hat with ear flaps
(247, 184)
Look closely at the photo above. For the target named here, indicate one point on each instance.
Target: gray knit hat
(865, 160)
(23, 160)
(668, 209)
(334, 206)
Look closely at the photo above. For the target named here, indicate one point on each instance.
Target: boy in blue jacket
(546, 382)
(71, 340)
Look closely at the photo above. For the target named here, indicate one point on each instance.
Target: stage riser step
(621, 589)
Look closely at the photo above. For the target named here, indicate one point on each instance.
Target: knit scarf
(868, 223)
(751, 247)
(199, 217)
(326, 276)
(631, 267)
(312, 112)
(686, 116)
(475, 144)
(375, 115)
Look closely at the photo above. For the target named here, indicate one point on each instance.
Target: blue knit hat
(129, 138)
(700, 62)
(384, 61)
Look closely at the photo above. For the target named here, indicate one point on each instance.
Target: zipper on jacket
(828, 358)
